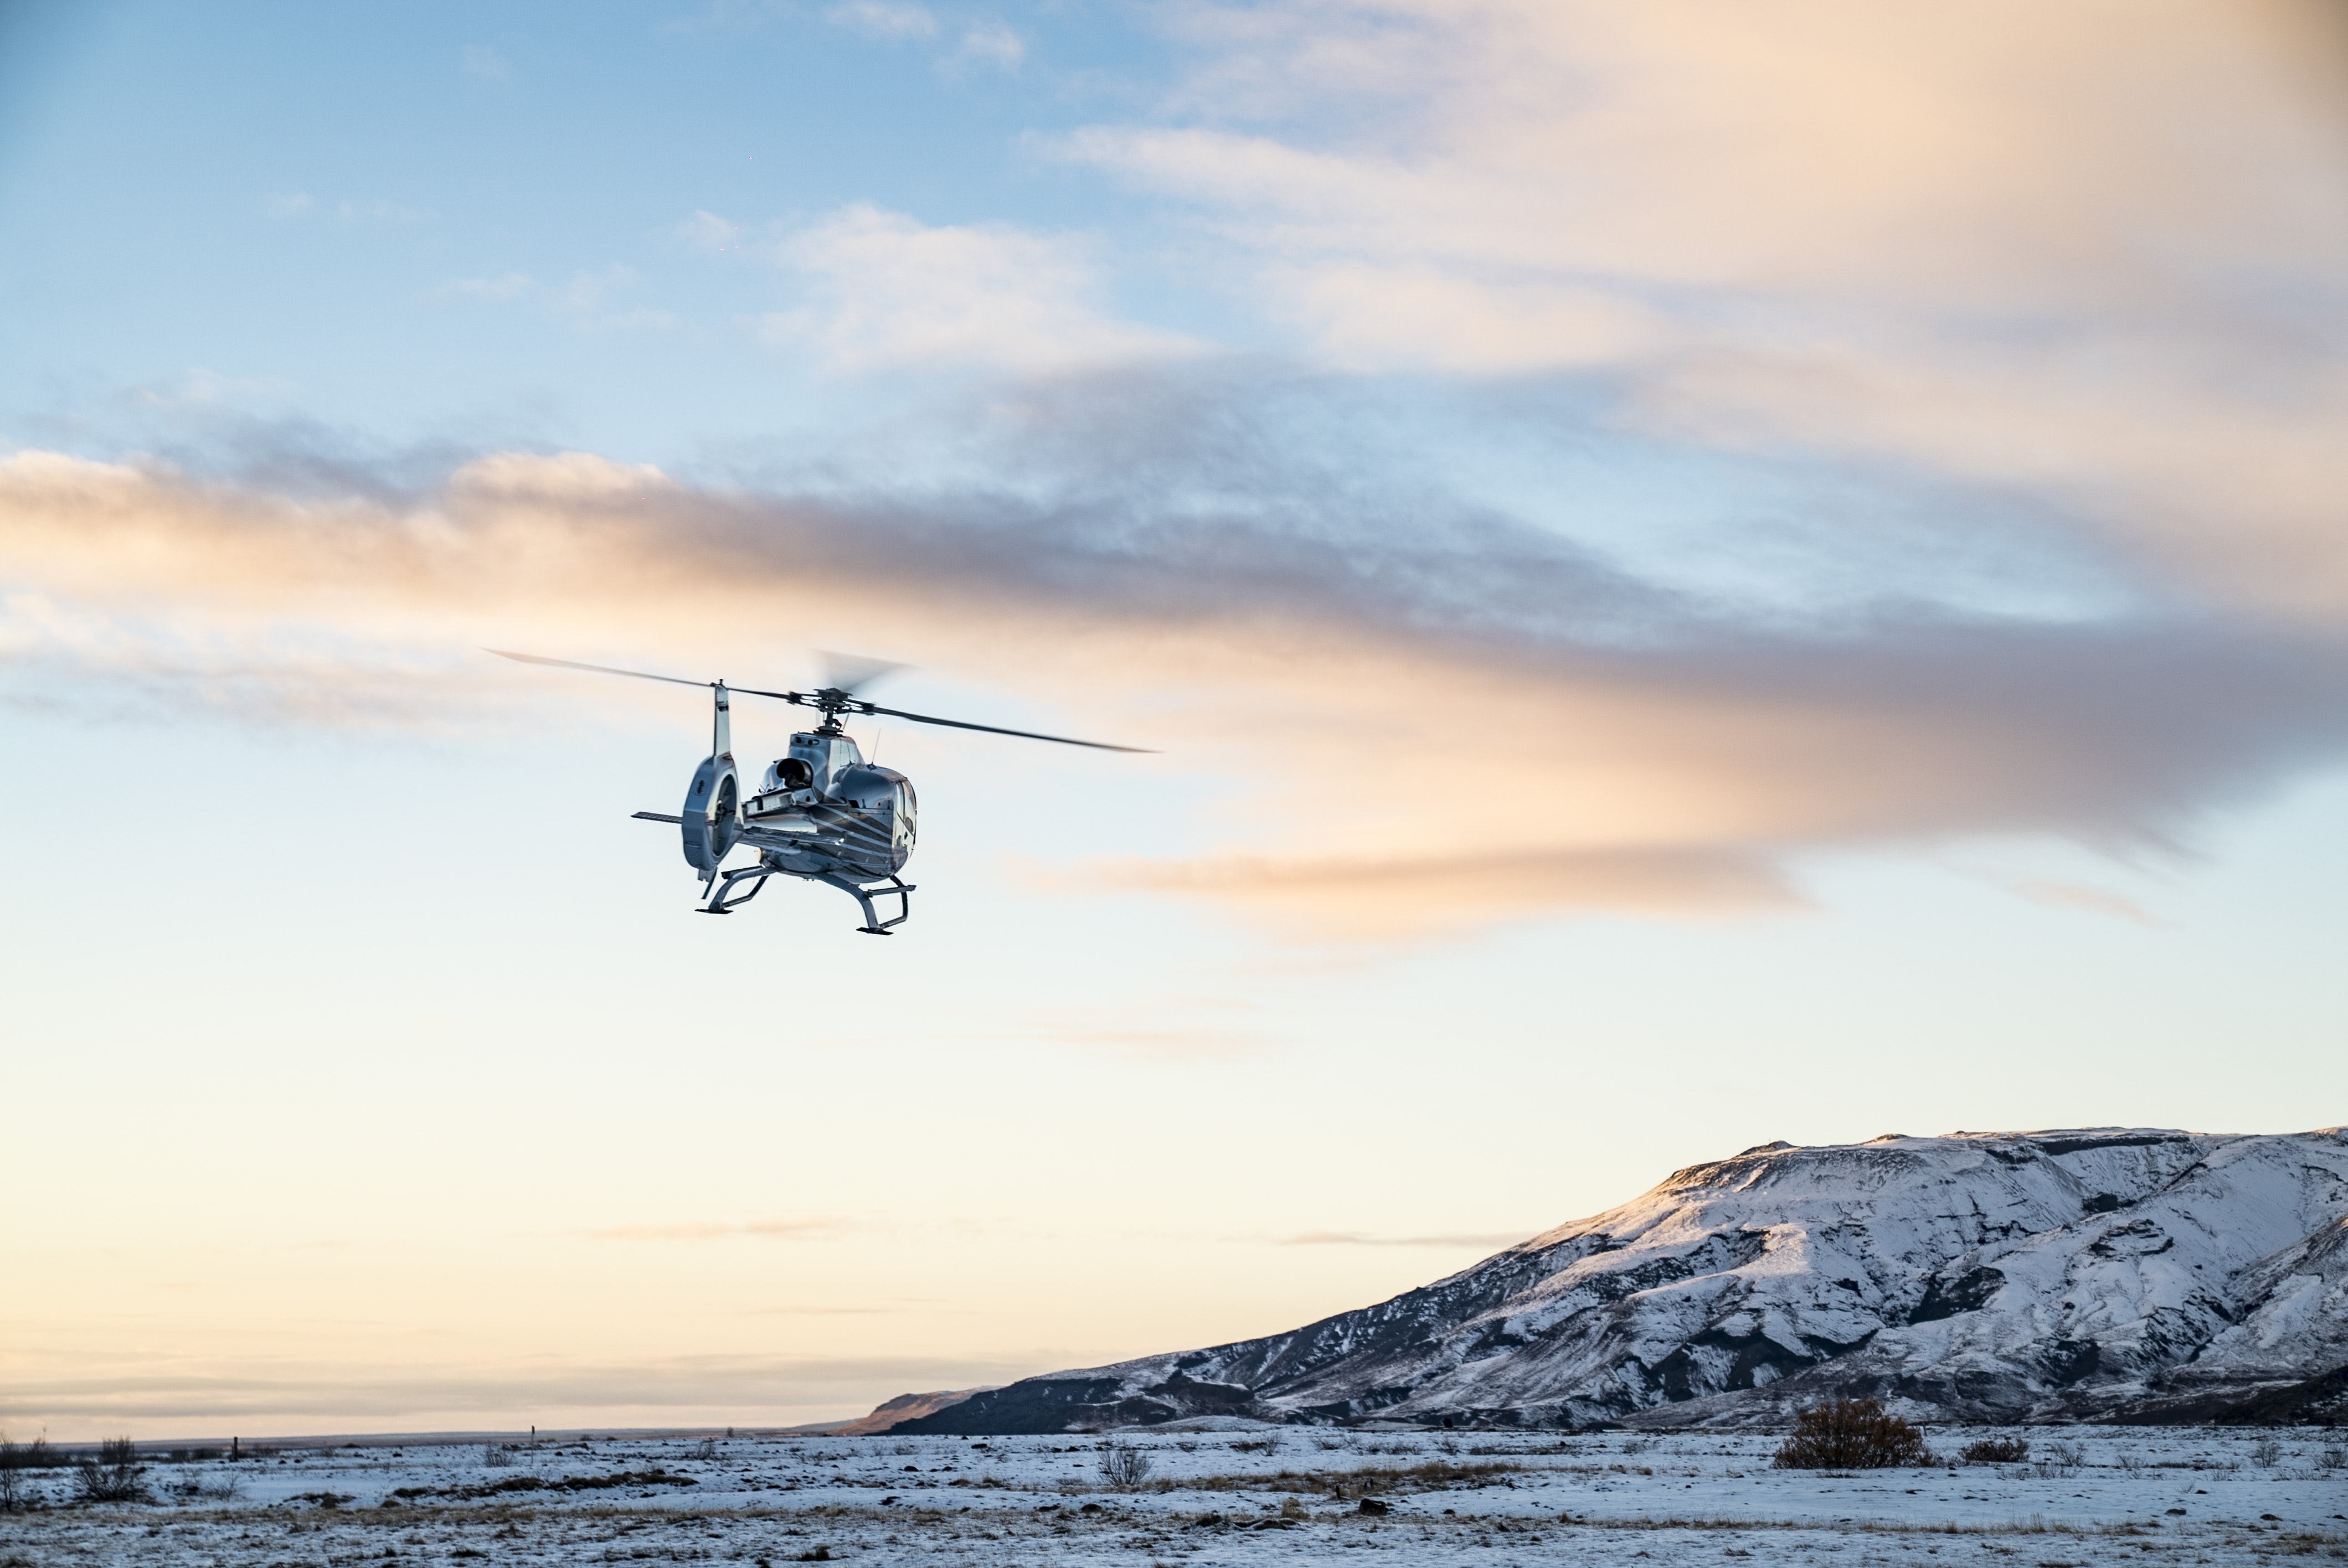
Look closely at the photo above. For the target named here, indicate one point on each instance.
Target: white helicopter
(822, 813)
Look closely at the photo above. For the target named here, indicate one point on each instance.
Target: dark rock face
(1034, 1405)
(1085, 1403)
(904, 1408)
(2101, 1273)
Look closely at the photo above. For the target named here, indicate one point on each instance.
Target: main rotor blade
(997, 730)
(641, 675)
(598, 669)
(854, 672)
(803, 699)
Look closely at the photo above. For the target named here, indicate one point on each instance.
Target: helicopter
(821, 813)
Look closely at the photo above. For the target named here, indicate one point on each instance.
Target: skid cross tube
(722, 900)
(873, 925)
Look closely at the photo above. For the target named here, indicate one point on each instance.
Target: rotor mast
(832, 701)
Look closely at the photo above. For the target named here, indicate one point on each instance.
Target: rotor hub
(832, 701)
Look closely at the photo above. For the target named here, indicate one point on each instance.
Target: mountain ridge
(2103, 1273)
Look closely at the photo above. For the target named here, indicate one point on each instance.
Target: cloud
(887, 292)
(803, 1229)
(504, 286)
(304, 1392)
(1180, 1027)
(2074, 896)
(989, 42)
(707, 232)
(890, 21)
(195, 391)
(2095, 253)
(1420, 714)
(992, 43)
(1388, 895)
(486, 64)
(1358, 1238)
(586, 298)
(348, 213)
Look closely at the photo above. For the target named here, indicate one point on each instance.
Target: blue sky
(1699, 576)
(334, 222)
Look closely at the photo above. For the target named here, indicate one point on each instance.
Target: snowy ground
(2111, 1495)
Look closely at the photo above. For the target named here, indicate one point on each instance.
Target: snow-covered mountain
(2106, 1272)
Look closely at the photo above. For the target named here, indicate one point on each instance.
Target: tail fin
(712, 815)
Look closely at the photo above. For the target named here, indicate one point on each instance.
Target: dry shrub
(37, 1455)
(114, 1476)
(1995, 1450)
(2062, 1460)
(1124, 1466)
(1850, 1434)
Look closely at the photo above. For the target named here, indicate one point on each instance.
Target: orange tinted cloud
(2096, 252)
(1416, 728)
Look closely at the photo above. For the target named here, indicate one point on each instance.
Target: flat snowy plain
(2107, 1495)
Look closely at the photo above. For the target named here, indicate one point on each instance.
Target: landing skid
(724, 899)
(874, 925)
(731, 893)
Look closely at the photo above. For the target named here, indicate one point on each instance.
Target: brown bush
(1995, 1450)
(1850, 1434)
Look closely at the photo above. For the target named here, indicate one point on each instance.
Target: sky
(1695, 574)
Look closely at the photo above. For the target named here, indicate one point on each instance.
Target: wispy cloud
(198, 389)
(798, 1229)
(886, 291)
(483, 63)
(707, 232)
(300, 204)
(818, 1311)
(1359, 1238)
(588, 299)
(1522, 724)
(1184, 1027)
(992, 42)
(302, 1394)
(891, 21)
(2077, 896)
(2052, 251)
(504, 286)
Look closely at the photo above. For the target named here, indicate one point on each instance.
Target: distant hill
(904, 1406)
(2111, 1274)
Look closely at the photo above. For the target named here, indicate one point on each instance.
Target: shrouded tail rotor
(713, 805)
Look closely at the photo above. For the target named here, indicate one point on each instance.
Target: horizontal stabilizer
(655, 817)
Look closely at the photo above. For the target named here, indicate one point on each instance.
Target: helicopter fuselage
(822, 807)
